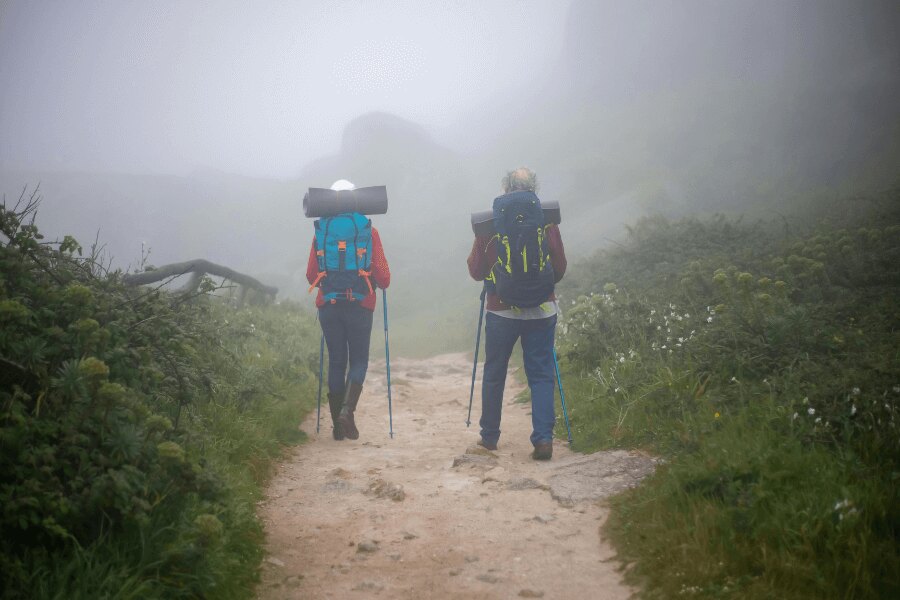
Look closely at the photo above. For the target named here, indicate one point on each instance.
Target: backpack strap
(320, 252)
(315, 283)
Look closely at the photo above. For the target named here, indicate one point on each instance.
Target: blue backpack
(344, 252)
(523, 274)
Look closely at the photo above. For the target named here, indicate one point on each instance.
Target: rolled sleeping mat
(483, 222)
(321, 202)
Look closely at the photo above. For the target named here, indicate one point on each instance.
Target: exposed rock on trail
(430, 514)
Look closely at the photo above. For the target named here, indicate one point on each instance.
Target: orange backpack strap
(315, 283)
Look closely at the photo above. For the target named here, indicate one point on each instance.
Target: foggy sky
(255, 88)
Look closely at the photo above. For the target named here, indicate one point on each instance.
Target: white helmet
(342, 185)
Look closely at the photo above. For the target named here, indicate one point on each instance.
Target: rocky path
(428, 515)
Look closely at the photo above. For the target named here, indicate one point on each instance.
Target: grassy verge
(136, 427)
(762, 361)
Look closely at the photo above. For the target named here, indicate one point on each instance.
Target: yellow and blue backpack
(523, 274)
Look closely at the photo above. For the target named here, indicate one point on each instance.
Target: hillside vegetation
(761, 361)
(136, 426)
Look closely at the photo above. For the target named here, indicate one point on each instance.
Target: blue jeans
(537, 350)
(347, 329)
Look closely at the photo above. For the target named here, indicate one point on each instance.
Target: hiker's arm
(312, 267)
(478, 258)
(380, 270)
(557, 252)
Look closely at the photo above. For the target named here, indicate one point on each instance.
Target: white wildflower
(810, 411)
(855, 391)
(818, 419)
(709, 319)
(852, 410)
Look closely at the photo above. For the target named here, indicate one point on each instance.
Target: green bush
(761, 361)
(136, 427)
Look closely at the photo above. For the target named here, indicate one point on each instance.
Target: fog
(248, 88)
(194, 128)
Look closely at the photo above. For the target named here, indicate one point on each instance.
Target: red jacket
(381, 274)
(484, 255)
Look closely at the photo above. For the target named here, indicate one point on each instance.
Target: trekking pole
(562, 396)
(321, 366)
(475, 362)
(387, 361)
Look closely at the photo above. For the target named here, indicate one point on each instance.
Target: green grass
(762, 363)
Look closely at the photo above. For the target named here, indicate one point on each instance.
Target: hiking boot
(487, 445)
(335, 401)
(346, 416)
(542, 451)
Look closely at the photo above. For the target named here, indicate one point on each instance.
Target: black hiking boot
(346, 417)
(335, 401)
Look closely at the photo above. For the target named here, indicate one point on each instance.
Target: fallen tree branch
(199, 267)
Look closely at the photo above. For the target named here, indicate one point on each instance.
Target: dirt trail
(425, 515)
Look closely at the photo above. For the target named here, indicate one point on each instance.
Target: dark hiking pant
(347, 329)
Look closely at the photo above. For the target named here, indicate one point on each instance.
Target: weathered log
(198, 267)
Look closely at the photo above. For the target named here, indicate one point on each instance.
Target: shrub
(762, 362)
(135, 427)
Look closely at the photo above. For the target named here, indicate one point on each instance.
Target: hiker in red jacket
(347, 326)
(534, 321)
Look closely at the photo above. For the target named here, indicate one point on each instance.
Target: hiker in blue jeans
(532, 320)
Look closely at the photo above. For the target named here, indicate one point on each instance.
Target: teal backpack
(344, 253)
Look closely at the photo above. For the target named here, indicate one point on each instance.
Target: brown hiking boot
(346, 416)
(487, 445)
(334, 405)
(542, 451)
